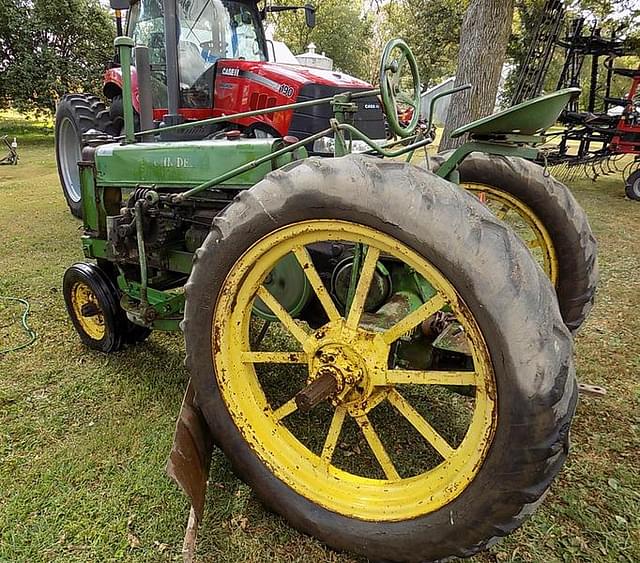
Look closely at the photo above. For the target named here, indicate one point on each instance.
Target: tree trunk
(483, 45)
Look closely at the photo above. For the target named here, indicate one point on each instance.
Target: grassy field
(84, 436)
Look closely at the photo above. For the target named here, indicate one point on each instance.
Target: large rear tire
(75, 115)
(541, 208)
(523, 371)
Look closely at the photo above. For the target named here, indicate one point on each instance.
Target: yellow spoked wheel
(87, 310)
(343, 415)
(92, 302)
(347, 366)
(523, 221)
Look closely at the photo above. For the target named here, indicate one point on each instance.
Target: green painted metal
(94, 247)
(277, 156)
(88, 199)
(142, 253)
(190, 163)
(343, 110)
(125, 44)
(288, 283)
(390, 76)
(167, 306)
(527, 118)
(178, 261)
(488, 147)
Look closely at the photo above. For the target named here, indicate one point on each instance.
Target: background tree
(343, 32)
(483, 45)
(50, 47)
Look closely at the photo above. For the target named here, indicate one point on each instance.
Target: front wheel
(93, 304)
(331, 429)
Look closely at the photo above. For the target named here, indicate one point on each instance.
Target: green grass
(84, 436)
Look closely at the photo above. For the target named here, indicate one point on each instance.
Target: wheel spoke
(362, 289)
(422, 313)
(377, 448)
(406, 99)
(310, 271)
(397, 76)
(285, 410)
(283, 316)
(420, 424)
(274, 358)
(431, 377)
(533, 243)
(331, 441)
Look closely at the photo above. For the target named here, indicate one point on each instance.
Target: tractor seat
(527, 118)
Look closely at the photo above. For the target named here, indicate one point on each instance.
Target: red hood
(303, 75)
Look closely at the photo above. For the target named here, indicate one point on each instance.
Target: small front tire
(92, 304)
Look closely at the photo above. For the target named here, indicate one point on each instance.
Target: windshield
(208, 30)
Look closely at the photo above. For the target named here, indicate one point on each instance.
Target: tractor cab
(208, 58)
(206, 31)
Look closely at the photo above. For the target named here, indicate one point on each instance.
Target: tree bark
(483, 45)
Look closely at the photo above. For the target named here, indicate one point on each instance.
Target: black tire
(560, 213)
(511, 299)
(632, 186)
(116, 115)
(118, 330)
(75, 115)
(106, 297)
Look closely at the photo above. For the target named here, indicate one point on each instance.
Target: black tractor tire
(558, 210)
(75, 115)
(106, 297)
(116, 115)
(632, 186)
(118, 329)
(512, 301)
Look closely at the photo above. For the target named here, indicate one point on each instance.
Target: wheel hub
(346, 367)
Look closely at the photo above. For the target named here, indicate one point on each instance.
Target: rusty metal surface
(190, 458)
(453, 339)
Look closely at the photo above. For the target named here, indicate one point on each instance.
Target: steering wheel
(400, 90)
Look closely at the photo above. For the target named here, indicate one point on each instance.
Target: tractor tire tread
(87, 112)
(561, 214)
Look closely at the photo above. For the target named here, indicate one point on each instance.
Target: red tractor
(209, 61)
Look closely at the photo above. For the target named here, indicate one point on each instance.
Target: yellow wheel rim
(523, 221)
(87, 310)
(368, 385)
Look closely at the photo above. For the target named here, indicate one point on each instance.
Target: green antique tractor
(377, 353)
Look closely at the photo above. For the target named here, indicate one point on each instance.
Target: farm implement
(385, 361)
(11, 156)
(602, 135)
